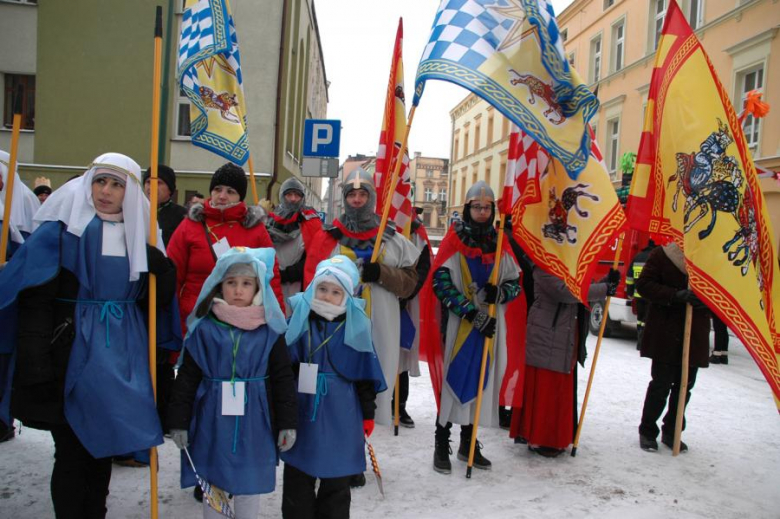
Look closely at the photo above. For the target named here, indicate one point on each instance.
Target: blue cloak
(329, 443)
(235, 453)
(108, 400)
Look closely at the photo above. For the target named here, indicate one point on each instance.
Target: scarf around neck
(245, 318)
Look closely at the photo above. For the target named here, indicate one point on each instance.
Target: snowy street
(730, 471)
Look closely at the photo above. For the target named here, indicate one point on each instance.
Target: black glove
(370, 272)
(293, 273)
(688, 297)
(156, 260)
(482, 322)
(491, 294)
(612, 279)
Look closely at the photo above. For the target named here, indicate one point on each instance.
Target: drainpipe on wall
(277, 138)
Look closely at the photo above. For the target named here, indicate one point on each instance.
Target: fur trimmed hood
(253, 214)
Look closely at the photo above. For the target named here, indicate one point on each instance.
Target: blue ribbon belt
(322, 390)
(108, 307)
(252, 379)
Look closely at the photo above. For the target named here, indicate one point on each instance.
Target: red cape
(431, 343)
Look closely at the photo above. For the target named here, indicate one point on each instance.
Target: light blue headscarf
(262, 260)
(357, 334)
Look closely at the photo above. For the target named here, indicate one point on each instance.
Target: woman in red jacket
(221, 222)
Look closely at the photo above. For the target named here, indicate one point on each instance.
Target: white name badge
(233, 399)
(307, 379)
(221, 247)
(114, 239)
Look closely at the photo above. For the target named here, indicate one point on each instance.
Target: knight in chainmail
(292, 227)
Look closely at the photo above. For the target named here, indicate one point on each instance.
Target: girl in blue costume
(329, 339)
(235, 386)
(72, 302)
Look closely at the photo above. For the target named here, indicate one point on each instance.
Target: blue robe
(235, 453)
(329, 442)
(108, 400)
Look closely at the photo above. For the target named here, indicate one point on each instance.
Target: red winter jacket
(189, 250)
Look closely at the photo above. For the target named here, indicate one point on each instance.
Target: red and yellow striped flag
(695, 183)
(390, 140)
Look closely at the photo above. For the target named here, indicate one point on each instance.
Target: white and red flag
(390, 140)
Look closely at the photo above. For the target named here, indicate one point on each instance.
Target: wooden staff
(11, 177)
(596, 353)
(487, 346)
(251, 167)
(678, 424)
(153, 239)
(397, 390)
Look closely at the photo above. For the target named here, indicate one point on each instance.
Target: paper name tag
(307, 379)
(113, 239)
(221, 247)
(233, 399)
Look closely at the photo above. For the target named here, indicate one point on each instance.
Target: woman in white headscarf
(72, 300)
(23, 208)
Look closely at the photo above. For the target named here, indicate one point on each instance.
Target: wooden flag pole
(596, 353)
(397, 404)
(393, 182)
(487, 345)
(678, 424)
(11, 177)
(251, 167)
(154, 158)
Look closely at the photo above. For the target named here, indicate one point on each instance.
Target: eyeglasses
(481, 208)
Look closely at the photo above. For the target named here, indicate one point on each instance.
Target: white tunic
(288, 253)
(397, 251)
(451, 409)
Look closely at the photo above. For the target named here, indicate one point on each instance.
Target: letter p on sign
(321, 138)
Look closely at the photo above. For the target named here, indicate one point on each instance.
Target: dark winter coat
(551, 332)
(47, 331)
(194, 258)
(664, 326)
(169, 216)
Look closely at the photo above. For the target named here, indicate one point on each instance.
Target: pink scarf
(245, 318)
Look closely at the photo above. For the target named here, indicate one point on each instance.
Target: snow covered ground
(731, 471)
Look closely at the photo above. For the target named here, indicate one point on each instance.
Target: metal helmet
(359, 178)
(292, 184)
(480, 192)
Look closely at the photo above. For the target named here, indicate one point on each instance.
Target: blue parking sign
(321, 137)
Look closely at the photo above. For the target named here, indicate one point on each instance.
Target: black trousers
(721, 335)
(665, 385)
(300, 500)
(165, 379)
(79, 482)
(403, 391)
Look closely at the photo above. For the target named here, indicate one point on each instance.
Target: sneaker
(648, 444)
(7, 434)
(547, 452)
(405, 420)
(480, 461)
(198, 494)
(441, 457)
(669, 442)
(357, 481)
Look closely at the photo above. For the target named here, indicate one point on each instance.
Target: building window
(429, 173)
(608, 4)
(571, 59)
(442, 195)
(466, 144)
(565, 35)
(659, 12)
(504, 127)
(455, 148)
(12, 83)
(595, 59)
(477, 132)
(696, 13)
(183, 116)
(490, 129)
(751, 80)
(427, 220)
(613, 145)
(618, 44)
(429, 197)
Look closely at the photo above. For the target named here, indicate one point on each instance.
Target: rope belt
(322, 390)
(108, 307)
(233, 381)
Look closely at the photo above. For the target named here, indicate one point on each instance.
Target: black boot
(442, 450)
(480, 461)
(404, 419)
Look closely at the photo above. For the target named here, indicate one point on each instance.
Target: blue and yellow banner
(509, 53)
(209, 71)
